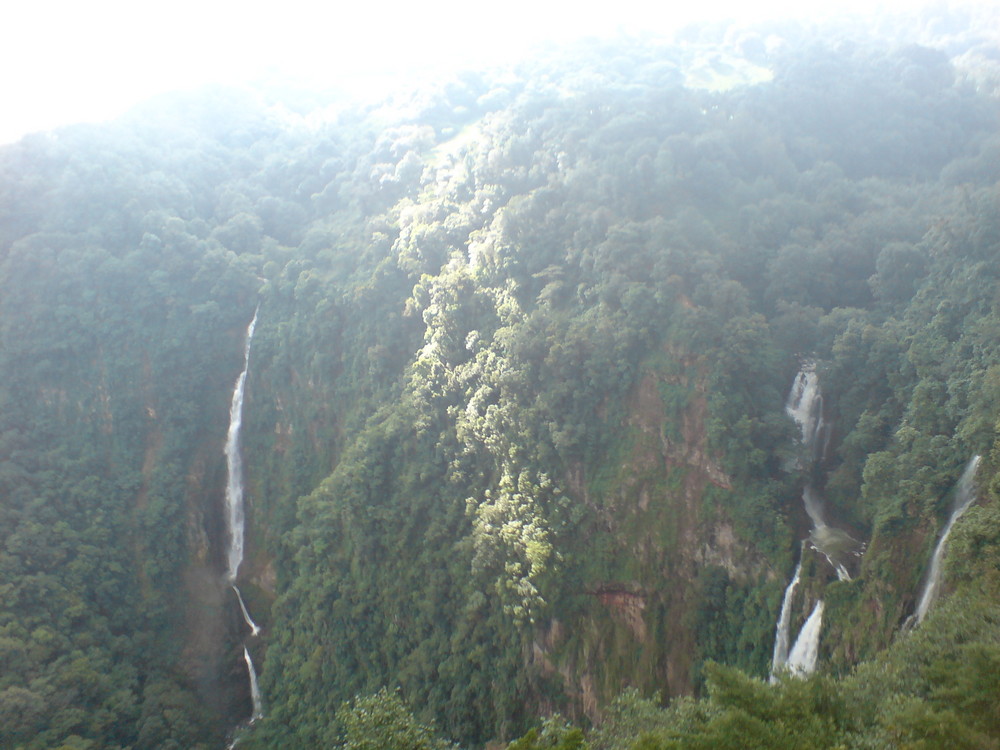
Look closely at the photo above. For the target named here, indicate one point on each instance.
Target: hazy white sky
(64, 61)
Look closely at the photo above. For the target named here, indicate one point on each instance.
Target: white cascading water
(782, 636)
(802, 402)
(802, 657)
(254, 688)
(234, 465)
(805, 406)
(813, 506)
(254, 628)
(965, 495)
(235, 514)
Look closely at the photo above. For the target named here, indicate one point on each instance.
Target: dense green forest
(519, 470)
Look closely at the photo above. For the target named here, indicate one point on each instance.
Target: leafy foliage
(514, 429)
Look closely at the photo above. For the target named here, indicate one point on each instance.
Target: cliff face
(660, 538)
(645, 572)
(121, 425)
(208, 631)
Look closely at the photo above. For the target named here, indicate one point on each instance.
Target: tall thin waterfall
(802, 658)
(258, 710)
(234, 464)
(235, 514)
(782, 637)
(965, 495)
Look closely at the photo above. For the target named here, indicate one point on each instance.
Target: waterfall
(805, 407)
(803, 401)
(234, 465)
(235, 515)
(834, 544)
(802, 658)
(258, 711)
(254, 628)
(813, 507)
(965, 495)
(782, 635)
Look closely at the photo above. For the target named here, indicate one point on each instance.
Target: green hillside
(515, 436)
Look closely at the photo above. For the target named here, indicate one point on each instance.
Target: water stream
(803, 400)
(802, 657)
(805, 406)
(236, 515)
(254, 628)
(965, 495)
(782, 636)
(254, 687)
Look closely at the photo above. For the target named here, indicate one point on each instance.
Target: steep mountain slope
(515, 434)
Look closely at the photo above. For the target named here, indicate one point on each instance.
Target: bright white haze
(66, 61)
